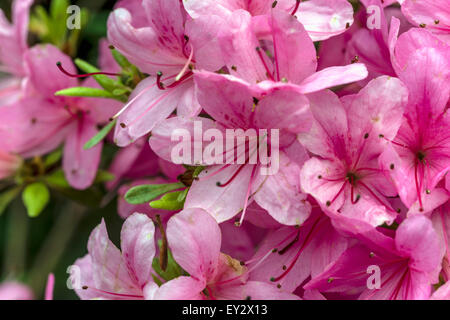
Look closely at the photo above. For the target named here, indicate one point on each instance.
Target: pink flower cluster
(359, 208)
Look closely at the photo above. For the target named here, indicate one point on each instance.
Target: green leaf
(104, 81)
(35, 197)
(57, 179)
(103, 176)
(145, 193)
(7, 197)
(86, 92)
(120, 59)
(100, 135)
(173, 270)
(53, 158)
(172, 201)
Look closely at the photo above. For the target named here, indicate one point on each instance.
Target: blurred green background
(32, 248)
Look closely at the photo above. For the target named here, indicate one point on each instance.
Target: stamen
(247, 195)
(222, 185)
(375, 196)
(305, 243)
(122, 295)
(296, 7)
(393, 142)
(186, 66)
(419, 196)
(289, 245)
(261, 57)
(60, 67)
(177, 83)
(337, 195)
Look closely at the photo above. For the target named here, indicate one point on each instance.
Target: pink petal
(194, 238)
(181, 288)
(138, 247)
(173, 131)
(324, 19)
(14, 37)
(281, 196)
(427, 12)
(417, 239)
(109, 271)
(80, 165)
(333, 76)
(142, 46)
(33, 126)
(41, 65)
(147, 107)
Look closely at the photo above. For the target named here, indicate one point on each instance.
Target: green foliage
(100, 135)
(145, 193)
(86, 92)
(170, 201)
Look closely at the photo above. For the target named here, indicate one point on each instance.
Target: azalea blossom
(41, 121)
(213, 275)
(157, 43)
(348, 136)
(407, 269)
(420, 151)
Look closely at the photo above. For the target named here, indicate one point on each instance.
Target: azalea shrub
(224, 149)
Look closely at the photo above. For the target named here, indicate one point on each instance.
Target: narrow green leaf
(7, 197)
(103, 176)
(86, 92)
(104, 81)
(57, 179)
(145, 193)
(53, 158)
(169, 201)
(120, 59)
(35, 198)
(100, 135)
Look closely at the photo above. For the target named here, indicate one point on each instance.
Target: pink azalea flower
(15, 291)
(195, 240)
(408, 264)
(13, 37)
(107, 273)
(226, 189)
(322, 18)
(158, 45)
(347, 137)
(40, 122)
(289, 255)
(271, 49)
(434, 15)
(420, 152)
